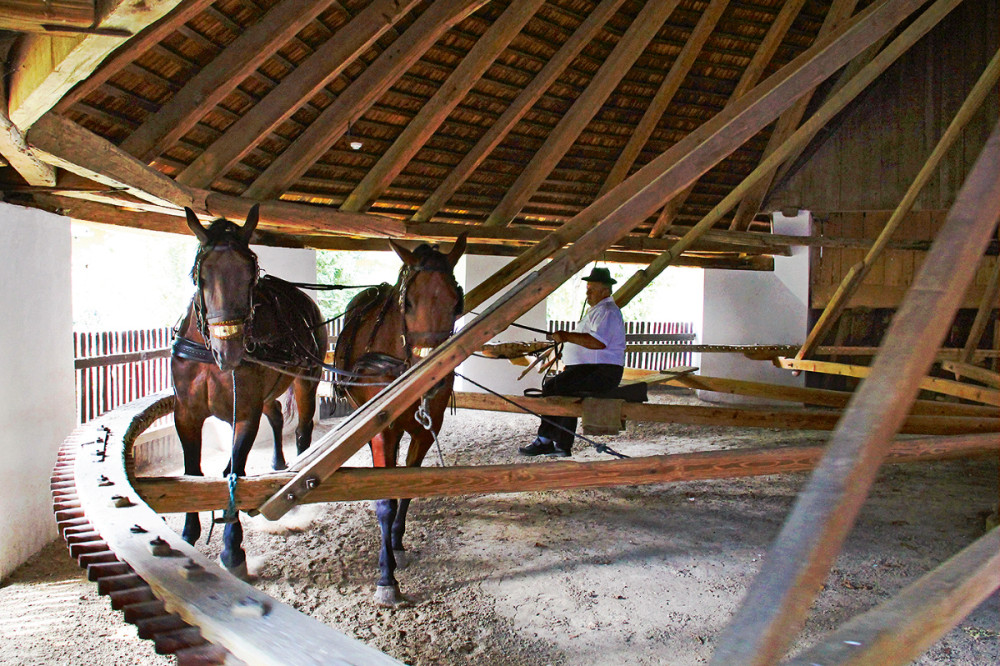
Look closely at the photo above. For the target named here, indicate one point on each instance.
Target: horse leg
(277, 420)
(189, 432)
(305, 403)
(420, 444)
(233, 557)
(384, 455)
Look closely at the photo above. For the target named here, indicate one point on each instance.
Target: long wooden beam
(303, 83)
(15, 150)
(799, 560)
(933, 384)
(190, 493)
(973, 372)
(436, 110)
(983, 313)
(671, 83)
(786, 419)
(562, 137)
(921, 26)
(45, 67)
(986, 85)
(31, 16)
(530, 94)
(657, 182)
(221, 76)
(333, 122)
(748, 80)
(898, 631)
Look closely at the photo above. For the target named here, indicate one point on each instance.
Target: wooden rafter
(516, 109)
(839, 12)
(333, 122)
(214, 82)
(437, 108)
(859, 271)
(645, 26)
(14, 149)
(45, 67)
(28, 16)
(665, 93)
(750, 77)
(663, 177)
(801, 136)
(986, 306)
(799, 560)
(325, 64)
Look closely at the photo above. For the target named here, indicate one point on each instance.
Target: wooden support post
(799, 560)
(901, 629)
(858, 272)
(663, 177)
(921, 26)
(196, 493)
(986, 307)
(15, 150)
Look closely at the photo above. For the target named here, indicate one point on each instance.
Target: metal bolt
(120, 501)
(290, 497)
(104, 481)
(250, 608)
(312, 482)
(137, 529)
(159, 547)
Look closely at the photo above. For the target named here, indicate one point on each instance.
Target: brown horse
(386, 329)
(246, 334)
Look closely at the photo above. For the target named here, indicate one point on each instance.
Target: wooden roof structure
(353, 120)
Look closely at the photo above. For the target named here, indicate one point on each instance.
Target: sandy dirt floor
(627, 575)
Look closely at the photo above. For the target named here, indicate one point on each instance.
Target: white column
(498, 375)
(757, 307)
(36, 364)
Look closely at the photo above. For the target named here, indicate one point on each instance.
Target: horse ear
(403, 253)
(195, 226)
(253, 217)
(458, 250)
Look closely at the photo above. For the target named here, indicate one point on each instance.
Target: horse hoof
(279, 467)
(402, 558)
(388, 596)
(240, 570)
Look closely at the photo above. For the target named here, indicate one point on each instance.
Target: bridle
(420, 343)
(227, 324)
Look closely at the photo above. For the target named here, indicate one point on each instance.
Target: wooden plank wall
(893, 271)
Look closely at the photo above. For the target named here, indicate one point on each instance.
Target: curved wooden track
(175, 596)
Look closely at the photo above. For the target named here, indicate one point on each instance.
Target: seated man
(594, 355)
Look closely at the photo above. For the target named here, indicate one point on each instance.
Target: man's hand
(582, 339)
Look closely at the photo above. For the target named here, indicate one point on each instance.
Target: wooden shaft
(666, 175)
(901, 629)
(986, 307)
(799, 560)
(974, 372)
(984, 86)
(921, 26)
(189, 493)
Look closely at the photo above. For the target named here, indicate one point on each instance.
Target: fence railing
(646, 333)
(116, 367)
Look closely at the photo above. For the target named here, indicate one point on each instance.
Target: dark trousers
(575, 381)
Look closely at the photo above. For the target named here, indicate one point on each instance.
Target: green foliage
(351, 268)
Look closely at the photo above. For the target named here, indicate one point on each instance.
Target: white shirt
(604, 322)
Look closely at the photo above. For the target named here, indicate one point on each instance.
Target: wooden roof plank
(332, 124)
(437, 108)
(649, 189)
(295, 90)
(751, 75)
(515, 110)
(800, 137)
(799, 560)
(665, 94)
(638, 36)
(45, 67)
(216, 80)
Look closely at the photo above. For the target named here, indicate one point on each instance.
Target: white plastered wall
(36, 366)
(757, 307)
(498, 375)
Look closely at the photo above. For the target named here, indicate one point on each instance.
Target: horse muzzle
(226, 341)
(423, 343)
(226, 330)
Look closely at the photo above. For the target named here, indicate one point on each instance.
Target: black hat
(602, 275)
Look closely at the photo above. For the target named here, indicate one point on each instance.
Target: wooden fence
(649, 332)
(116, 367)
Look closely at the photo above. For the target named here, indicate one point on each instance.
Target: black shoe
(537, 448)
(558, 452)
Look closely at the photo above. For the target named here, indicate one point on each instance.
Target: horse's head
(430, 297)
(225, 273)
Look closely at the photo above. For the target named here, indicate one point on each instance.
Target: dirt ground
(627, 575)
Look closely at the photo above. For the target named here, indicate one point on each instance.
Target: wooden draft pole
(668, 174)
(180, 494)
(859, 271)
(800, 558)
(921, 26)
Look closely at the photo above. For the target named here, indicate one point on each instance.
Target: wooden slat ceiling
(264, 98)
